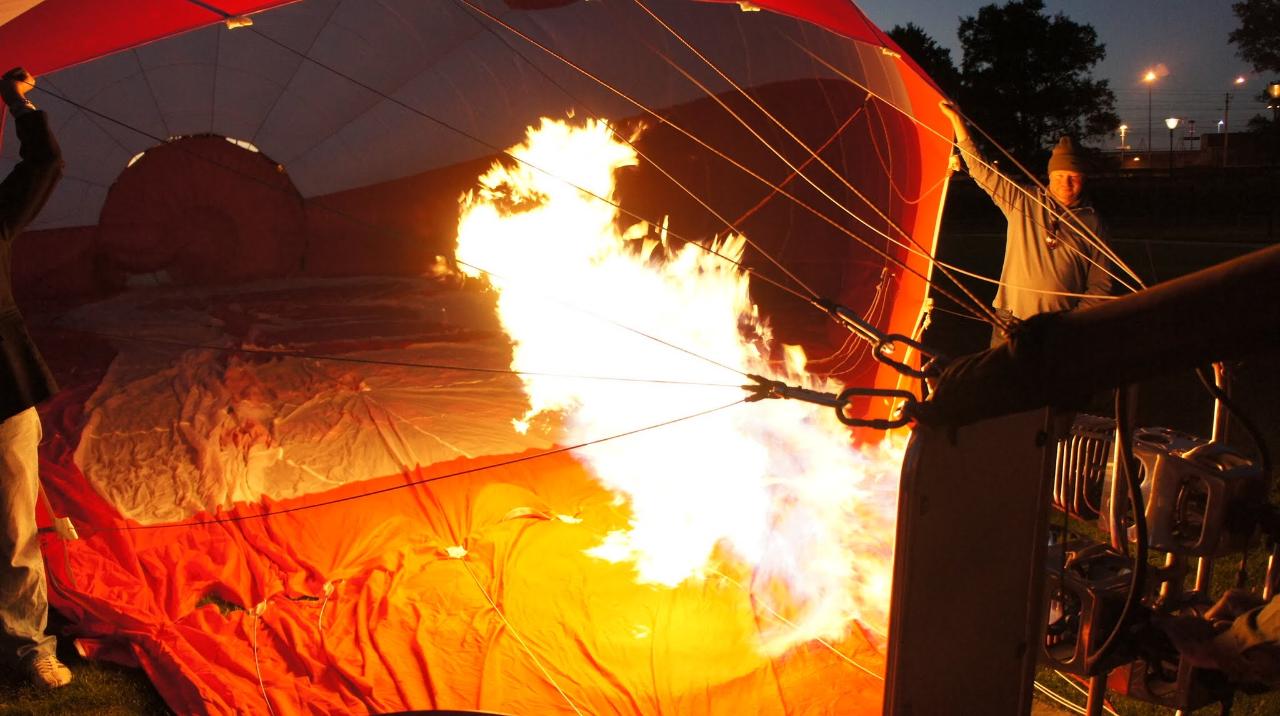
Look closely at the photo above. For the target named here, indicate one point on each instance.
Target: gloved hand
(952, 114)
(14, 86)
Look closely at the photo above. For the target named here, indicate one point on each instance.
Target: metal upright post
(1097, 695)
(1226, 126)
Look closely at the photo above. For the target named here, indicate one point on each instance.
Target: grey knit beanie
(1067, 157)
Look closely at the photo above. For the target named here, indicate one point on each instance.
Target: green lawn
(98, 690)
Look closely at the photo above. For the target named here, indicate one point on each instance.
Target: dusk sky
(1188, 36)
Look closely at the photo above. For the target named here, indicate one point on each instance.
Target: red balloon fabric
(294, 534)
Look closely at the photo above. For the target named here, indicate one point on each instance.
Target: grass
(99, 689)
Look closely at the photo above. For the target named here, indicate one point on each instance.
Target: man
(24, 382)
(1049, 265)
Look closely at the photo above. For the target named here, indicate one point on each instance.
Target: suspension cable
(1085, 232)
(304, 355)
(422, 481)
(360, 222)
(781, 125)
(1106, 251)
(629, 329)
(749, 172)
(731, 225)
(499, 150)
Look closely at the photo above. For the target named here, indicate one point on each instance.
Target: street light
(1150, 79)
(1224, 126)
(1172, 124)
(1273, 91)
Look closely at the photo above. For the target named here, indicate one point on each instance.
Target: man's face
(1066, 186)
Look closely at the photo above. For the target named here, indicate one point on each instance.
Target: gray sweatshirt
(1041, 252)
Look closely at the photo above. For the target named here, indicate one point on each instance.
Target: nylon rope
(732, 226)
(491, 146)
(306, 57)
(378, 361)
(257, 668)
(422, 481)
(950, 140)
(795, 173)
(820, 215)
(887, 165)
(367, 225)
(1088, 234)
(514, 632)
(629, 329)
(983, 309)
(850, 660)
(811, 153)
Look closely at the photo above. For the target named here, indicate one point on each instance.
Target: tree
(933, 58)
(1257, 42)
(1026, 78)
(1258, 38)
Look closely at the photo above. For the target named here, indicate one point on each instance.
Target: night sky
(1190, 38)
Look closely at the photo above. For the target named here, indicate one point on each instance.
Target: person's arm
(24, 192)
(999, 187)
(1099, 283)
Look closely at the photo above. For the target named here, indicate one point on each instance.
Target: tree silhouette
(933, 58)
(1026, 78)
(1258, 38)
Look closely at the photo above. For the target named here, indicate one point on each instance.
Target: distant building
(1242, 149)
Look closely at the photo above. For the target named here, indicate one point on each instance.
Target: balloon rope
(361, 222)
(976, 303)
(421, 481)
(781, 191)
(275, 353)
(523, 644)
(1094, 240)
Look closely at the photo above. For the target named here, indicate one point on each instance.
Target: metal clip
(905, 413)
(883, 345)
(766, 388)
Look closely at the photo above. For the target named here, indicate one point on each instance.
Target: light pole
(1150, 79)
(1172, 124)
(1273, 91)
(1124, 129)
(1226, 119)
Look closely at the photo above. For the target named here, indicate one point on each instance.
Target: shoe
(49, 673)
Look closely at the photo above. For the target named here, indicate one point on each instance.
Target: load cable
(812, 155)
(1095, 241)
(774, 613)
(514, 632)
(883, 344)
(731, 225)
(422, 481)
(84, 108)
(368, 225)
(994, 320)
(257, 666)
(382, 362)
(1084, 231)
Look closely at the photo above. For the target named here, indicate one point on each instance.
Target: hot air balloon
(305, 477)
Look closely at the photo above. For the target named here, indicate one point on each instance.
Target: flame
(772, 490)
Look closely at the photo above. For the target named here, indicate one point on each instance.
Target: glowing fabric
(472, 591)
